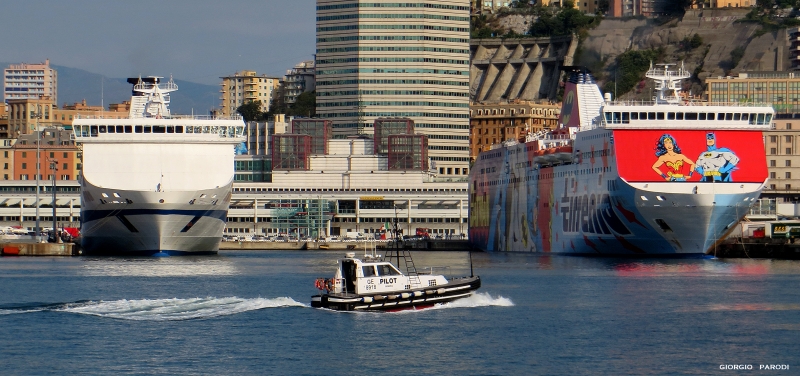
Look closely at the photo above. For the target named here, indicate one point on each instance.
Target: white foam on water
(177, 309)
(17, 311)
(481, 299)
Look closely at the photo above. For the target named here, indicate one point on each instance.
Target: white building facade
(385, 58)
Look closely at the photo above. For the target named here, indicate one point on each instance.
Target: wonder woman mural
(670, 163)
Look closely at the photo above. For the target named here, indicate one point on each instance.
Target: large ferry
(669, 177)
(154, 183)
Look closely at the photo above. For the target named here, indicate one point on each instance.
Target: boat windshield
(387, 269)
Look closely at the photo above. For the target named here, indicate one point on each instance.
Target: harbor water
(247, 312)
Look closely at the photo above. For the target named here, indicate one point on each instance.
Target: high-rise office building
(244, 87)
(383, 58)
(30, 81)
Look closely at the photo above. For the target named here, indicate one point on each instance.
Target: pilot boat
(375, 284)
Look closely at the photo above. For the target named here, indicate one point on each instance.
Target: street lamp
(37, 116)
(54, 165)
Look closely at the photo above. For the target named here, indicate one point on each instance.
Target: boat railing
(688, 103)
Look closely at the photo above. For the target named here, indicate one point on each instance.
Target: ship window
(93, 131)
(159, 129)
(608, 118)
(634, 116)
(128, 129)
(651, 116)
(737, 117)
(691, 116)
(111, 129)
(659, 116)
(664, 226)
(670, 116)
(769, 119)
(179, 129)
(643, 198)
(120, 129)
(170, 129)
(679, 116)
(387, 270)
(102, 129)
(368, 270)
(745, 116)
(701, 116)
(137, 129)
(710, 116)
(147, 129)
(617, 118)
(729, 116)
(626, 118)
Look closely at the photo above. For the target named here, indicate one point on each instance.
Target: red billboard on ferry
(722, 156)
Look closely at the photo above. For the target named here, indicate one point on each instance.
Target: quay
(414, 245)
(38, 249)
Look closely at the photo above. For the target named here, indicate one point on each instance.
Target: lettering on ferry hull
(591, 214)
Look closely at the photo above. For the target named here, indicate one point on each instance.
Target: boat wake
(160, 309)
(481, 299)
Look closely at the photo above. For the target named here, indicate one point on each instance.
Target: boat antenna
(471, 274)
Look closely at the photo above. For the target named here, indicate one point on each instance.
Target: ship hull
(586, 207)
(152, 223)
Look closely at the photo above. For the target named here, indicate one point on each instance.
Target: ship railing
(688, 103)
(189, 117)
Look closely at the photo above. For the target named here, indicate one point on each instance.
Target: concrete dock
(38, 249)
(419, 245)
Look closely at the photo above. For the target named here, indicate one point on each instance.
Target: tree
(305, 105)
(251, 111)
(277, 105)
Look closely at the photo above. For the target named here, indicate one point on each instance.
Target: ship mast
(668, 82)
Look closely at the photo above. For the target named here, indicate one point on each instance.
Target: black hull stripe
(93, 215)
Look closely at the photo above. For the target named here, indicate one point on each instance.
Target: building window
(24, 154)
(773, 138)
(24, 166)
(788, 187)
(772, 175)
(788, 151)
(5, 166)
(772, 163)
(788, 175)
(788, 138)
(788, 163)
(788, 125)
(772, 187)
(773, 151)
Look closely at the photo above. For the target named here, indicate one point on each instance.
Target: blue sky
(194, 40)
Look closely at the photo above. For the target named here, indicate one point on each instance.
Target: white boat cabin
(355, 276)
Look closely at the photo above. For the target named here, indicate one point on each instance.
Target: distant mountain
(75, 85)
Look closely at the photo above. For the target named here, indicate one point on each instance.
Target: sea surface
(247, 313)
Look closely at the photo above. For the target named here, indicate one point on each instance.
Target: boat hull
(400, 300)
(135, 223)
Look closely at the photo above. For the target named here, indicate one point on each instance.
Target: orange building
(492, 123)
(56, 149)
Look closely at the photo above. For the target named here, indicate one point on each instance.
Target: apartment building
(783, 159)
(492, 123)
(244, 87)
(58, 155)
(781, 89)
(389, 59)
(702, 4)
(298, 80)
(30, 81)
(25, 116)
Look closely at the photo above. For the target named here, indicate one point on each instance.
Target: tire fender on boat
(366, 299)
(405, 295)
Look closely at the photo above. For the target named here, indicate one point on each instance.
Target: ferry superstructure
(668, 177)
(154, 183)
